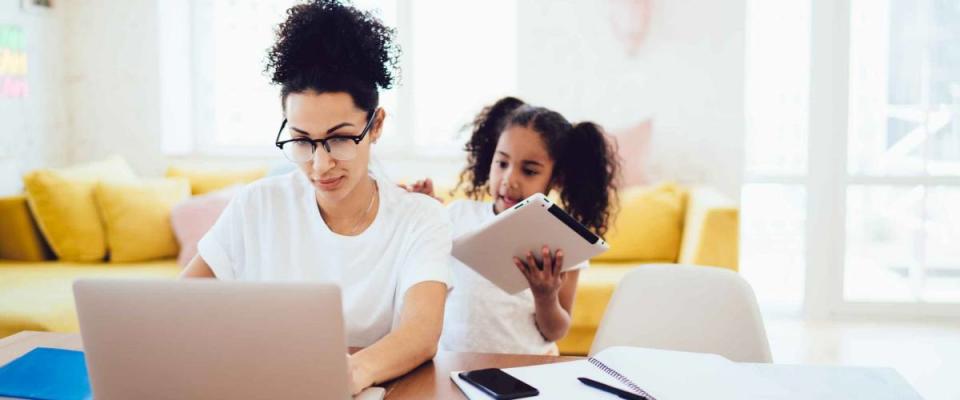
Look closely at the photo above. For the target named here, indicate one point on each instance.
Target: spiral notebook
(656, 374)
(667, 375)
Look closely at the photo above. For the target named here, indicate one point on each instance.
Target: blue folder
(46, 374)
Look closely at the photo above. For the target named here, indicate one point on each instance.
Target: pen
(623, 394)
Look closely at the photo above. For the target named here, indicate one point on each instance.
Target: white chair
(685, 308)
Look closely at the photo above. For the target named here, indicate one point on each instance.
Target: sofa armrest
(711, 230)
(20, 238)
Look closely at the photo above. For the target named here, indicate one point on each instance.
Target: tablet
(527, 226)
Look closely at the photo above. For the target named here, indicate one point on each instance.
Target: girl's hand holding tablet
(544, 276)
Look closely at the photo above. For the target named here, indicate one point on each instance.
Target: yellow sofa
(35, 288)
(708, 236)
(700, 227)
(37, 296)
(663, 224)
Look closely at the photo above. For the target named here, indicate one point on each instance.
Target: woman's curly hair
(328, 46)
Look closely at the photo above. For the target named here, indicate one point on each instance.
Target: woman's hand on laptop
(360, 378)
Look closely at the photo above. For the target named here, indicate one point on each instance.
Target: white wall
(95, 88)
(32, 129)
(111, 51)
(688, 76)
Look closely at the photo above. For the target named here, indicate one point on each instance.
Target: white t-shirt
(273, 231)
(481, 317)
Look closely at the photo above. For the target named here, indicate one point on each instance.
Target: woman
(331, 220)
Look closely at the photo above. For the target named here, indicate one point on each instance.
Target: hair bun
(325, 40)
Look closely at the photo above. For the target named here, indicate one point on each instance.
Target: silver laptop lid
(206, 339)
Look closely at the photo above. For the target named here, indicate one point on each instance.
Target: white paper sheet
(679, 375)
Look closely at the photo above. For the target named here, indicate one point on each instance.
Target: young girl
(515, 151)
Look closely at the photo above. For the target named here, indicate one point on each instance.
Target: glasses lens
(298, 151)
(342, 149)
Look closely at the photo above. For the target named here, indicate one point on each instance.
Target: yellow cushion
(22, 239)
(38, 296)
(207, 180)
(63, 206)
(136, 216)
(648, 226)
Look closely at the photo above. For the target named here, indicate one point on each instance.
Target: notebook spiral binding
(618, 376)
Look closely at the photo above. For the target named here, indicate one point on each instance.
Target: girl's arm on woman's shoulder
(424, 186)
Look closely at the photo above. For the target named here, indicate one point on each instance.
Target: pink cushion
(192, 218)
(633, 146)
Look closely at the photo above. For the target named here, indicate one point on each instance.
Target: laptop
(209, 339)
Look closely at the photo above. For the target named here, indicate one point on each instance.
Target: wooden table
(429, 381)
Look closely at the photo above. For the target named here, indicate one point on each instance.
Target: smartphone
(499, 384)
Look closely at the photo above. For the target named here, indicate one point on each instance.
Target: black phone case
(531, 393)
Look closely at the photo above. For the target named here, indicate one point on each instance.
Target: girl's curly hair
(586, 166)
(486, 128)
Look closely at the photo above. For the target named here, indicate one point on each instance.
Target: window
(463, 58)
(235, 106)
(773, 199)
(853, 156)
(903, 155)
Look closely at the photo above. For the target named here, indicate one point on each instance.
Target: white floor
(926, 354)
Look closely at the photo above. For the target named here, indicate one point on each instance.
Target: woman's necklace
(363, 217)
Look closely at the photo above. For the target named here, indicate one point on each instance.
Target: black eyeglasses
(302, 149)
